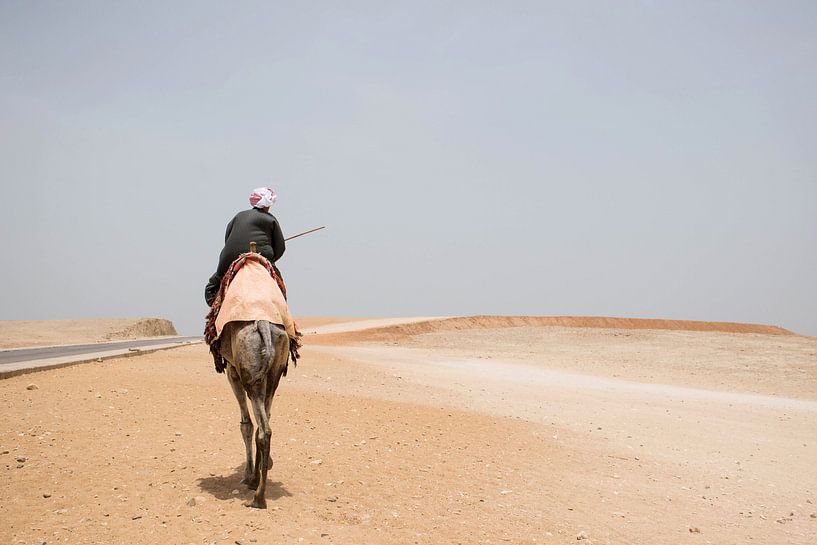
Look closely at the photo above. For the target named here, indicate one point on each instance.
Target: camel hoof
(257, 503)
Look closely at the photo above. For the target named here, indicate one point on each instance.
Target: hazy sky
(642, 159)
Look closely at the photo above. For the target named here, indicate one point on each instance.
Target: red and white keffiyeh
(262, 197)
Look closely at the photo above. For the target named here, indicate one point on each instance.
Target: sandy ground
(497, 435)
(28, 333)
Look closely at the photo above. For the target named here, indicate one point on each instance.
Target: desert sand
(27, 333)
(432, 432)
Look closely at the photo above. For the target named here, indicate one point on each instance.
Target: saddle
(250, 290)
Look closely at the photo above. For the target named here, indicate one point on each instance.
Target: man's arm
(279, 246)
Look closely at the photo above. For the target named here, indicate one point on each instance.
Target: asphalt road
(48, 352)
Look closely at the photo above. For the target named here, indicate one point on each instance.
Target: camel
(257, 354)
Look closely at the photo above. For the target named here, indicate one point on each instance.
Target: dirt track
(513, 435)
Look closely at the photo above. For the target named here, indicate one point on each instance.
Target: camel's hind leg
(272, 385)
(280, 350)
(281, 347)
(246, 423)
(262, 443)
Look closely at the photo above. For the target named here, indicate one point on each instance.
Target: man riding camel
(258, 226)
(253, 225)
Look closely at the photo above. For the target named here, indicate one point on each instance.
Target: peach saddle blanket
(254, 295)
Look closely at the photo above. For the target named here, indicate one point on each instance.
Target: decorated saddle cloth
(250, 290)
(254, 295)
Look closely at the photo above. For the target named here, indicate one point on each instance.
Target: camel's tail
(263, 328)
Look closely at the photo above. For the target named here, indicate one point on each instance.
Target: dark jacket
(253, 225)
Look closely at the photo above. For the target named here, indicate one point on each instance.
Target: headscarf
(262, 197)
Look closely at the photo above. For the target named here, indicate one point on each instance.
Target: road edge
(34, 366)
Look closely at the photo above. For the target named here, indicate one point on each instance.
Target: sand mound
(493, 322)
(145, 327)
(18, 333)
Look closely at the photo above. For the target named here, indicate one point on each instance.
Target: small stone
(332, 498)
(235, 492)
(99, 359)
(46, 494)
(694, 530)
(21, 459)
(178, 434)
(191, 502)
(136, 517)
(582, 536)
(32, 386)
(316, 462)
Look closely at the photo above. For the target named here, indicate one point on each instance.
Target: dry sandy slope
(19, 333)
(524, 437)
(409, 328)
(770, 364)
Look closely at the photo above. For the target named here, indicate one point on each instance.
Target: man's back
(253, 225)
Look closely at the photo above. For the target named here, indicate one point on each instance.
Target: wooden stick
(306, 232)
